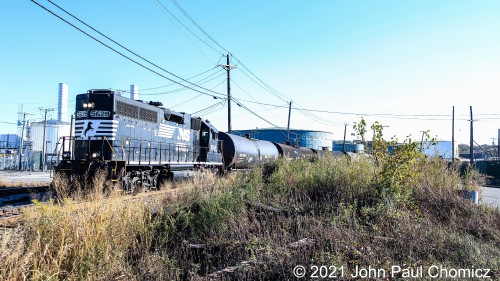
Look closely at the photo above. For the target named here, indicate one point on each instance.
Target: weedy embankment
(261, 224)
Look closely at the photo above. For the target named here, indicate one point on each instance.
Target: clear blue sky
(390, 61)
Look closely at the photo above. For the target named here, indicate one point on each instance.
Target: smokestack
(134, 92)
(62, 110)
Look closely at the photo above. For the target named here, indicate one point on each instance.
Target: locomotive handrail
(110, 146)
(154, 152)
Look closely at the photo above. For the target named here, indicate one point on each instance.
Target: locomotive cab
(209, 143)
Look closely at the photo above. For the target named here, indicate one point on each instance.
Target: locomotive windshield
(91, 106)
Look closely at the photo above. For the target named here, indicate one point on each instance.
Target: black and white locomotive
(141, 144)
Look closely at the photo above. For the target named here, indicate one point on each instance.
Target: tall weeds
(261, 224)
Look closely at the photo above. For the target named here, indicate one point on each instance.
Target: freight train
(141, 144)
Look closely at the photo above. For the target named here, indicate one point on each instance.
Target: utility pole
(493, 145)
(228, 68)
(422, 142)
(343, 144)
(471, 137)
(453, 134)
(288, 126)
(21, 142)
(71, 129)
(44, 133)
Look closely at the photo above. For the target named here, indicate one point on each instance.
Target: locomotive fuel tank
(244, 153)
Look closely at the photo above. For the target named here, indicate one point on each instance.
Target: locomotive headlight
(66, 155)
(88, 105)
(95, 155)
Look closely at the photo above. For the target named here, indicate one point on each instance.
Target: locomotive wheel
(136, 185)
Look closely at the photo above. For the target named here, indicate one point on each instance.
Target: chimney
(134, 92)
(62, 109)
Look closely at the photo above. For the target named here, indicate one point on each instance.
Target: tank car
(244, 152)
(139, 144)
(292, 152)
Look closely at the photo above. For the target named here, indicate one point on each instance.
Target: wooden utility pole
(471, 149)
(288, 126)
(453, 134)
(71, 129)
(44, 133)
(228, 68)
(21, 142)
(343, 144)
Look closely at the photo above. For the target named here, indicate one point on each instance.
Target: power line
(173, 16)
(386, 115)
(198, 26)
(197, 95)
(200, 82)
(305, 111)
(206, 109)
(171, 84)
(252, 112)
(262, 85)
(255, 101)
(120, 53)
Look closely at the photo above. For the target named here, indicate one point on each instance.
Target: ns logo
(183, 134)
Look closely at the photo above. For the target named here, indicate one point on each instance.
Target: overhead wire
(234, 82)
(386, 115)
(200, 82)
(197, 25)
(197, 95)
(255, 79)
(252, 112)
(260, 82)
(5, 122)
(206, 110)
(163, 8)
(171, 84)
(120, 53)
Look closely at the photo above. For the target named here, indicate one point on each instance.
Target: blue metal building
(9, 141)
(304, 138)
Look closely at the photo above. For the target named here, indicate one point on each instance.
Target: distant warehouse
(304, 138)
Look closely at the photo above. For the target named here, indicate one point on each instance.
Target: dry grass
(6, 183)
(253, 221)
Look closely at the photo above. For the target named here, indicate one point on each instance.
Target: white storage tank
(54, 130)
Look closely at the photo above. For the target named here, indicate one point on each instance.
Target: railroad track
(6, 191)
(14, 199)
(11, 216)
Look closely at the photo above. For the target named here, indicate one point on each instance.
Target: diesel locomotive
(141, 144)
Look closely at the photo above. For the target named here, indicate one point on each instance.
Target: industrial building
(442, 149)
(9, 144)
(348, 146)
(9, 141)
(305, 138)
(40, 139)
